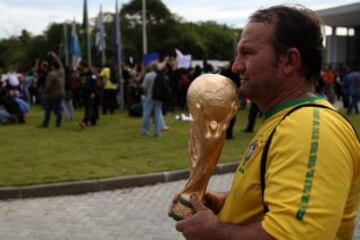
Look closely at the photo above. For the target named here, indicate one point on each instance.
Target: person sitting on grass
(12, 111)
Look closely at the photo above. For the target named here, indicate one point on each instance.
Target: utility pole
(144, 27)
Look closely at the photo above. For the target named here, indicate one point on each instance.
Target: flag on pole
(118, 55)
(85, 26)
(66, 46)
(100, 32)
(74, 48)
(85, 22)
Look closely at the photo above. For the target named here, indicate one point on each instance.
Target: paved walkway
(136, 214)
(130, 214)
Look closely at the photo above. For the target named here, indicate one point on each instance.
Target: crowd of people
(62, 90)
(341, 83)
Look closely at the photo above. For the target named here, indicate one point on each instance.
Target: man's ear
(291, 61)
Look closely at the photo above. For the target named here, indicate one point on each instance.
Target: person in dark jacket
(90, 90)
(236, 79)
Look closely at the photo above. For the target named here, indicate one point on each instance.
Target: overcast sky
(35, 15)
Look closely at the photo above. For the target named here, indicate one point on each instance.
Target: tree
(156, 13)
(219, 40)
(159, 22)
(166, 31)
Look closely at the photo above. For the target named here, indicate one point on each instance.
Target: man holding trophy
(300, 177)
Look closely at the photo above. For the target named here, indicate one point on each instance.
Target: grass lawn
(114, 147)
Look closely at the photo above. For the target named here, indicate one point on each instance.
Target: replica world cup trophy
(212, 100)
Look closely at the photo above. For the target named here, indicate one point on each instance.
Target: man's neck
(300, 90)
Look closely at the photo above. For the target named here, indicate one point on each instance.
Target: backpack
(161, 89)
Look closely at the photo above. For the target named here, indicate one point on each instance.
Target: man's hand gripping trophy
(212, 100)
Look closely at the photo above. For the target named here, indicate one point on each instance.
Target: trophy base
(182, 209)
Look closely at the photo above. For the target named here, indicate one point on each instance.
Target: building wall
(356, 47)
(343, 49)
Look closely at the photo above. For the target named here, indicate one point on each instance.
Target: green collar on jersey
(283, 106)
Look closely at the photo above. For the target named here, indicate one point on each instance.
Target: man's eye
(245, 52)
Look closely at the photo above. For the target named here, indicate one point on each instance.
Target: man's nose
(238, 66)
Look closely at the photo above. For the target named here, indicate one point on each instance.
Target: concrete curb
(80, 187)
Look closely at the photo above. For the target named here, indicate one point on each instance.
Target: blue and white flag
(74, 47)
(100, 32)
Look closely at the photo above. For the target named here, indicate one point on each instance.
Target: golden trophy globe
(212, 100)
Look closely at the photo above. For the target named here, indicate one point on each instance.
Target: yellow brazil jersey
(312, 176)
(105, 74)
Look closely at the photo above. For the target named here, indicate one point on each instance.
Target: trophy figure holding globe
(212, 100)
